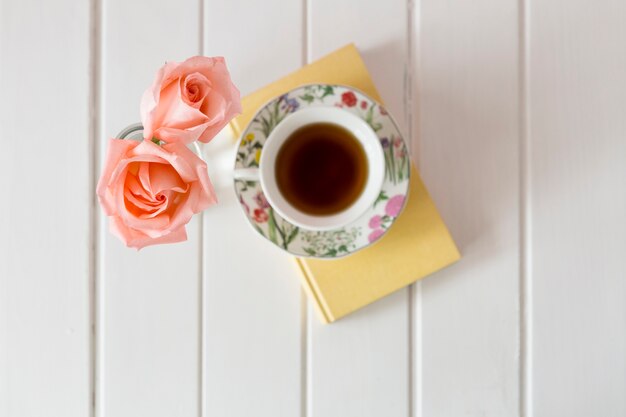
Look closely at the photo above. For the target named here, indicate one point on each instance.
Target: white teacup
(267, 167)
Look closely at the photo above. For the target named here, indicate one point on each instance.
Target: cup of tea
(321, 168)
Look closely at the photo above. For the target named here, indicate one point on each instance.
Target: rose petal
(208, 196)
(176, 135)
(201, 64)
(173, 112)
(133, 185)
(116, 151)
(144, 177)
(153, 227)
(184, 161)
(178, 235)
(198, 198)
(136, 239)
(144, 208)
(227, 92)
(150, 98)
(198, 81)
(164, 177)
(222, 117)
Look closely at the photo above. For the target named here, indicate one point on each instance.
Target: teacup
(268, 167)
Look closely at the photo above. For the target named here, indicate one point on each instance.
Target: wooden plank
(252, 296)
(45, 178)
(149, 302)
(359, 366)
(577, 208)
(467, 142)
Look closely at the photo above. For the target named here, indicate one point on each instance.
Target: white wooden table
(516, 110)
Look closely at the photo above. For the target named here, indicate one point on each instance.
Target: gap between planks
(201, 260)
(525, 281)
(95, 220)
(411, 109)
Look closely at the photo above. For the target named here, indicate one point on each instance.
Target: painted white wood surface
(253, 305)
(148, 301)
(45, 201)
(468, 142)
(577, 207)
(515, 111)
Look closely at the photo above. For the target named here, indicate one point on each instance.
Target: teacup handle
(246, 174)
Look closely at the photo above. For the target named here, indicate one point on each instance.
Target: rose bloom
(188, 101)
(151, 192)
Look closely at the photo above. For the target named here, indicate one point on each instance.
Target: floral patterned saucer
(367, 229)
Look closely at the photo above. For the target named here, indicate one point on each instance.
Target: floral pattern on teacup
(364, 231)
(379, 223)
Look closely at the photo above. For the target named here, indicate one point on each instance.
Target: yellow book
(417, 245)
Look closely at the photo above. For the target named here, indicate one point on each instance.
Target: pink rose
(151, 192)
(188, 101)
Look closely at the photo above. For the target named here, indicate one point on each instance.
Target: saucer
(362, 232)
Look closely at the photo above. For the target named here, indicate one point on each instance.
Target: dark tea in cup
(321, 169)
